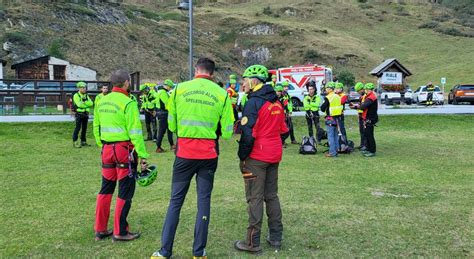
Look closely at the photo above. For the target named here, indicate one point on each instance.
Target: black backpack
(345, 147)
(322, 134)
(308, 146)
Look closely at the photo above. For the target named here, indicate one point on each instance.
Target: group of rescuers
(200, 112)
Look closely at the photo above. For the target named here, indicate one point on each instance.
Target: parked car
(461, 93)
(420, 95)
(353, 95)
(389, 98)
(408, 95)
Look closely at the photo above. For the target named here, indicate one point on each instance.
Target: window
(466, 87)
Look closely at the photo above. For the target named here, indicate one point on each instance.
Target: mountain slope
(152, 38)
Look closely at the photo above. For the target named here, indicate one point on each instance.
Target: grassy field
(413, 199)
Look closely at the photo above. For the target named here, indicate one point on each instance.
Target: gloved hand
(309, 115)
(245, 172)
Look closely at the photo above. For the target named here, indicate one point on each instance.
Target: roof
(28, 61)
(377, 71)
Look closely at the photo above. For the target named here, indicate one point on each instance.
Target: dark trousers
(112, 155)
(342, 126)
(363, 141)
(429, 98)
(150, 119)
(263, 188)
(312, 118)
(81, 123)
(162, 129)
(183, 172)
(236, 113)
(369, 137)
(289, 124)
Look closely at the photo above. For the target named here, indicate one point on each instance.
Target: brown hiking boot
(160, 150)
(295, 142)
(128, 237)
(328, 155)
(103, 235)
(242, 246)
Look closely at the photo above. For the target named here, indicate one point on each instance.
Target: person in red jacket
(260, 152)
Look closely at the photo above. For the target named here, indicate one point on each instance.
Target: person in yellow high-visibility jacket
(333, 108)
(199, 111)
(82, 105)
(148, 100)
(118, 131)
(162, 97)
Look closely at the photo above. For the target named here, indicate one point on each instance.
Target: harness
(131, 160)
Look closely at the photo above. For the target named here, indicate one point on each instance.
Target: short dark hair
(118, 77)
(206, 64)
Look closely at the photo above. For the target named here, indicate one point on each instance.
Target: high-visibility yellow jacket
(82, 102)
(312, 103)
(335, 106)
(162, 98)
(148, 100)
(197, 107)
(118, 119)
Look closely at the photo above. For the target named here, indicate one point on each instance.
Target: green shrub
(365, 6)
(56, 49)
(362, 1)
(346, 77)
(267, 10)
(81, 9)
(429, 25)
(453, 32)
(227, 37)
(285, 33)
(311, 55)
(18, 37)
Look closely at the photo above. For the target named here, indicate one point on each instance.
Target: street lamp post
(188, 5)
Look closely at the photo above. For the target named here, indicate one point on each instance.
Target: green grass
(331, 207)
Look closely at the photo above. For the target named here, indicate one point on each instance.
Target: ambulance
(299, 75)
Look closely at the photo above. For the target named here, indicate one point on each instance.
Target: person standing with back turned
(199, 111)
(260, 153)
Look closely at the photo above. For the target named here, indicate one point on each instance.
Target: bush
(226, 37)
(81, 9)
(56, 49)
(429, 25)
(346, 77)
(18, 37)
(311, 55)
(453, 32)
(362, 1)
(267, 10)
(365, 6)
(285, 33)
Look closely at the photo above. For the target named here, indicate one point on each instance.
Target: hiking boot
(329, 155)
(173, 147)
(76, 144)
(203, 256)
(274, 243)
(128, 237)
(363, 148)
(295, 142)
(159, 150)
(369, 154)
(84, 144)
(103, 235)
(285, 145)
(157, 255)
(242, 246)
